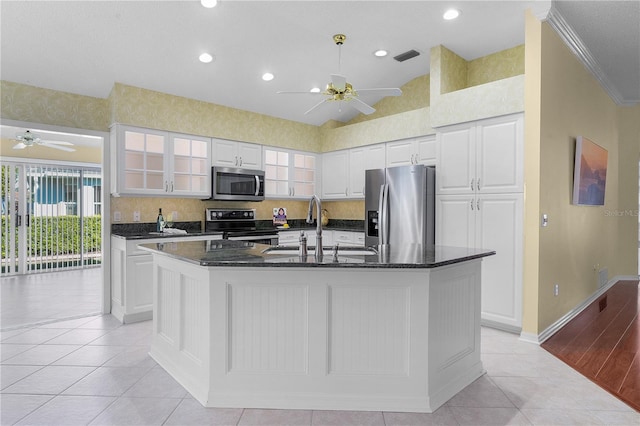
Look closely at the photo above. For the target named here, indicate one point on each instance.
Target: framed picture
(590, 173)
(279, 215)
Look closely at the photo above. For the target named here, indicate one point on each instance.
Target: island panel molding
(345, 338)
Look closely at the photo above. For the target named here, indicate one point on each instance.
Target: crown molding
(577, 46)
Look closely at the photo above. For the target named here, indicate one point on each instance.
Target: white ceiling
(85, 47)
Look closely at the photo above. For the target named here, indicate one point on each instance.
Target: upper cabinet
(289, 173)
(237, 154)
(152, 162)
(361, 159)
(481, 157)
(335, 174)
(421, 150)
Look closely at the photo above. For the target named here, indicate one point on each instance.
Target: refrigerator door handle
(384, 214)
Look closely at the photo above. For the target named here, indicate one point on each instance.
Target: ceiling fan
(340, 90)
(27, 139)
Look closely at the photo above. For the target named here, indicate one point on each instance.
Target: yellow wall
(579, 240)
(504, 64)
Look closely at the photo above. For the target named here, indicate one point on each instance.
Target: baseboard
(500, 326)
(553, 328)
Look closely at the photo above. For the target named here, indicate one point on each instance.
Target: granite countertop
(247, 254)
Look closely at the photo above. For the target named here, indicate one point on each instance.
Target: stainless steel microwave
(237, 184)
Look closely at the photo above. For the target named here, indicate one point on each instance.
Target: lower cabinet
(329, 238)
(489, 221)
(132, 276)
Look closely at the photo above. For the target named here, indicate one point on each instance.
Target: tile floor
(94, 370)
(49, 296)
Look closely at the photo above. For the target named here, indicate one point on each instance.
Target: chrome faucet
(318, 221)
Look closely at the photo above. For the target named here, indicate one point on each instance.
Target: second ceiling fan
(340, 90)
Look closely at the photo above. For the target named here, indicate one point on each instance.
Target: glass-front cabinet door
(190, 166)
(140, 159)
(153, 162)
(289, 174)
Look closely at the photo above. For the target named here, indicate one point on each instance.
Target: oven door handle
(252, 237)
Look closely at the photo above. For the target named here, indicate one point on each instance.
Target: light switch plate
(174, 216)
(117, 217)
(545, 220)
(136, 216)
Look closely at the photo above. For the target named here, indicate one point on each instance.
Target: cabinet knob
(478, 184)
(471, 204)
(240, 161)
(166, 186)
(478, 204)
(472, 181)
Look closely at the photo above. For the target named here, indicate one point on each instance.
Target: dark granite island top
(246, 254)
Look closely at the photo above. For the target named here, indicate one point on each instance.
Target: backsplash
(189, 209)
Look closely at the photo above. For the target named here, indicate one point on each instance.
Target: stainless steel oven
(237, 184)
(238, 225)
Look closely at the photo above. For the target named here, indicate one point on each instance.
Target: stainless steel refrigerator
(400, 205)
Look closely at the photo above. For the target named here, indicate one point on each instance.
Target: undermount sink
(346, 251)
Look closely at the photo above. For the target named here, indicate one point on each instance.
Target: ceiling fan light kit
(339, 90)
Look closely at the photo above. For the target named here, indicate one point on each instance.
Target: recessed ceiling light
(209, 3)
(267, 76)
(315, 90)
(451, 14)
(380, 53)
(205, 58)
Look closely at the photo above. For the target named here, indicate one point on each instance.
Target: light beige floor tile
(441, 417)
(91, 355)
(137, 411)
(617, 418)
(10, 374)
(157, 383)
(35, 336)
(254, 417)
(544, 417)
(537, 392)
(50, 380)
(41, 355)
(72, 323)
(15, 407)
(106, 381)
(345, 418)
(133, 357)
(103, 322)
(68, 411)
(191, 413)
(481, 393)
(77, 337)
(470, 416)
(9, 351)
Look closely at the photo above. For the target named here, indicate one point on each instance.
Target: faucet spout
(315, 199)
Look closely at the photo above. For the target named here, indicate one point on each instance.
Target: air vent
(406, 55)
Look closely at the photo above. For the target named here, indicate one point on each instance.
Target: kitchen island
(397, 330)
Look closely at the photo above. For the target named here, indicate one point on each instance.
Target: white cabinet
(131, 276)
(335, 173)
(228, 153)
(489, 221)
(152, 162)
(361, 159)
(189, 166)
(329, 237)
(289, 174)
(482, 157)
(421, 150)
(479, 203)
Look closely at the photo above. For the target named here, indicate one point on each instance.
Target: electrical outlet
(174, 216)
(136, 216)
(556, 289)
(117, 217)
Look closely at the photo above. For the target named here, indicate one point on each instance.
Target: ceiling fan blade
(316, 106)
(361, 106)
(298, 93)
(339, 82)
(60, 147)
(380, 92)
(55, 142)
(19, 145)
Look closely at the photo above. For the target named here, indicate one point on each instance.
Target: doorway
(51, 217)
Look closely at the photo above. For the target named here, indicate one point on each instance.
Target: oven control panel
(230, 214)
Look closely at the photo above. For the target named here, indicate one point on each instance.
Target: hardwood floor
(603, 342)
